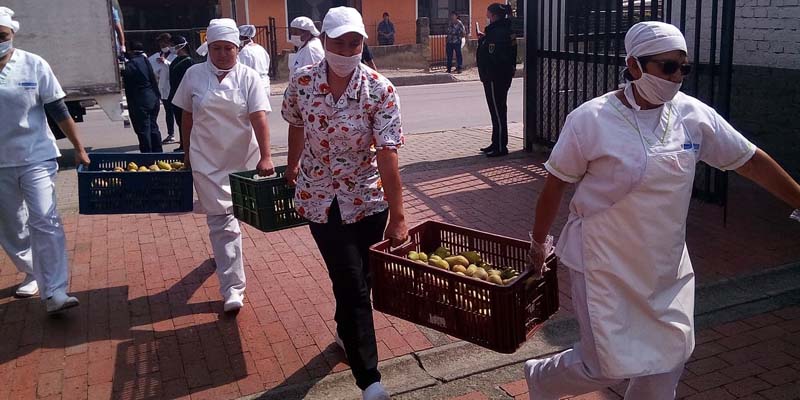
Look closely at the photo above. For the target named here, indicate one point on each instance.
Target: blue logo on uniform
(28, 85)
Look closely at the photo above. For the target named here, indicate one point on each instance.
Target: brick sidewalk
(757, 358)
(149, 325)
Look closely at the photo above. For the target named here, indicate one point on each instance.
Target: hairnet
(222, 29)
(306, 24)
(652, 37)
(247, 30)
(5, 19)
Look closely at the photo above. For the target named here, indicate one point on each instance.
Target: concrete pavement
(150, 323)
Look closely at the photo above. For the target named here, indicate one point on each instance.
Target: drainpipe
(247, 12)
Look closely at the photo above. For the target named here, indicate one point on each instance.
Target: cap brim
(341, 30)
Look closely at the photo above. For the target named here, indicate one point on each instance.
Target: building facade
(403, 13)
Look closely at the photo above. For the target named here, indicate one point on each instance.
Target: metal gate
(575, 52)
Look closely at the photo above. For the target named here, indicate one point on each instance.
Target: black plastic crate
(267, 204)
(102, 191)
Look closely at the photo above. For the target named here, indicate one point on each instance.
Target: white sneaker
(60, 302)
(28, 287)
(375, 392)
(232, 305)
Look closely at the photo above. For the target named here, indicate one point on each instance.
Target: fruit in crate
(423, 256)
(132, 166)
(143, 169)
(471, 270)
(164, 166)
(458, 260)
(442, 252)
(413, 255)
(176, 165)
(154, 168)
(481, 274)
(439, 263)
(496, 279)
(473, 257)
(459, 269)
(119, 169)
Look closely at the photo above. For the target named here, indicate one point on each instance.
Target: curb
(459, 366)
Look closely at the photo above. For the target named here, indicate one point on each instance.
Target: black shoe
(458, 71)
(448, 71)
(487, 149)
(497, 153)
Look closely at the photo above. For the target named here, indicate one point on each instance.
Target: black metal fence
(576, 52)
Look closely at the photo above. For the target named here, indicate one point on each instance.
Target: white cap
(306, 24)
(653, 37)
(222, 29)
(5, 19)
(341, 20)
(247, 30)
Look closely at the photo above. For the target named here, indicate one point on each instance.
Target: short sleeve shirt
(26, 84)
(162, 72)
(199, 79)
(601, 151)
(339, 158)
(455, 31)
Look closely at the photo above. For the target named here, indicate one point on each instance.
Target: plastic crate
(496, 317)
(106, 192)
(266, 204)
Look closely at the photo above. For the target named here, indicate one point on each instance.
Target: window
(233, 10)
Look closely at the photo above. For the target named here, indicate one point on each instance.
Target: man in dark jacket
(497, 63)
(141, 92)
(177, 69)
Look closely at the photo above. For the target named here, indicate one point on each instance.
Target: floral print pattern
(342, 138)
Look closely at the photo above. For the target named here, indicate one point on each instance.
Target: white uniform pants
(31, 232)
(226, 241)
(576, 371)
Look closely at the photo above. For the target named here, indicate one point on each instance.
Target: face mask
(655, 90)
(217, 71)
(296, 41)
(178, 47)
(340, 65)
(5, 47)
(165, 49)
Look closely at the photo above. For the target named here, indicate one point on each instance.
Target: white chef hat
(5, 19)
(341, 20)
(653, 37)
(247, 31)
(222, 29)
(306, 24)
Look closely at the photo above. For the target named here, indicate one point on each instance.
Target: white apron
(639, 279)
(218, 147)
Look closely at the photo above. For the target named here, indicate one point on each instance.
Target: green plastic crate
(266, 204)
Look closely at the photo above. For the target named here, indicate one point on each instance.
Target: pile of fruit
(468, 263)
(159, 166)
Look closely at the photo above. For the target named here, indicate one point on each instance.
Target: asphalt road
(427, 108)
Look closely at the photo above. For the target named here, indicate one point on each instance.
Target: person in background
(632, 154)
(160, 62)
(31, 232)
(119, 32)
(253, 54)
(386, 31)
(367, 59)
(177, 70)
(456, 32)
(344, 133)
(305, 36)
(497, 63)
(225, 130)
(143, 96)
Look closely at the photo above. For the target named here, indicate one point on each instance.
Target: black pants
(454, 48)
(345, 249)
(169, 117)
(178, 112)
(497, 98)
(145, 124)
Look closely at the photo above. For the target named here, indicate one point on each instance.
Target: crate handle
(399, 246)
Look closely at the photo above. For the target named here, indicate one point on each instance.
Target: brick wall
(767, 33)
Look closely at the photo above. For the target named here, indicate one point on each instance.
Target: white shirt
(600, 149)
(257, 58)
(161, 69)
(310, 54)
(26, 84)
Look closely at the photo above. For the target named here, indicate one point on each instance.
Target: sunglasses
(669, 67)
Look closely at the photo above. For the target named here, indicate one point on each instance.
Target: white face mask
(655, 90)
(217, 71)
(5, 47)
(295, 40)
(342, 66)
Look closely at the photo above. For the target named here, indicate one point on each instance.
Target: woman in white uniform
(225, 130)
(253, 54)
(632, 155)
(31, 232)
(304, 35)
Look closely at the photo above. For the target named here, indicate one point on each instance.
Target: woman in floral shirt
(343, 138)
